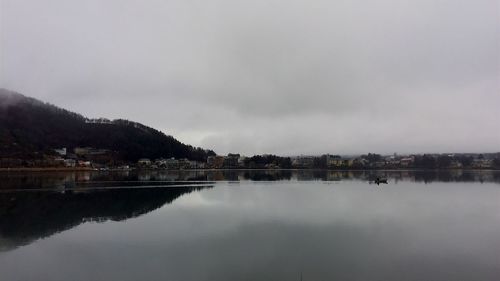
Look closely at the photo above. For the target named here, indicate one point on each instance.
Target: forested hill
(29, 127)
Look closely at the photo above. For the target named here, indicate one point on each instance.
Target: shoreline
(46, 169)
(54, 169)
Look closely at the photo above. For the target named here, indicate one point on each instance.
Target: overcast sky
(267, 76)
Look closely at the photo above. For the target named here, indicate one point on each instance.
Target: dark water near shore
(250, 225)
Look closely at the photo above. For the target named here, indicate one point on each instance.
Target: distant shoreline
(16, 170)
(46, 169)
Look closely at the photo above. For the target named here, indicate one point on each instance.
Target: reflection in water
(253, 225)
(27, 216)
(9, 181)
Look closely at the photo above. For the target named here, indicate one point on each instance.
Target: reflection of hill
(27, 216)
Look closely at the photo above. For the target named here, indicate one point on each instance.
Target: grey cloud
(284, 77)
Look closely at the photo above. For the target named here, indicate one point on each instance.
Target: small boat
(380, 180)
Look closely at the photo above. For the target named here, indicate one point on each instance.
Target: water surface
(250, 225)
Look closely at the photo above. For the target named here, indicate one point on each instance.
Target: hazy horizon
(254, 77)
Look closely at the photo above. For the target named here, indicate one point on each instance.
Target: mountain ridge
(30, 127)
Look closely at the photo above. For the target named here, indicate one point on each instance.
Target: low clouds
(285, 77)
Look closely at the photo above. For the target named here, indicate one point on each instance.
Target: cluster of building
(373, 161)
(370, 161)
(453, 161)
(89, 157)
(384, 162)
(170, 163)
(231, 161)
(364, 162)
(83, 157)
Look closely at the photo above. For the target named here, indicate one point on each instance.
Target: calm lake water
(250, 225)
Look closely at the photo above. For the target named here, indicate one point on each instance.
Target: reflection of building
(215, 176)
(82, 176)
(144, 176)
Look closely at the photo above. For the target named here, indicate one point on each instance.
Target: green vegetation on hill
(30, 128)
